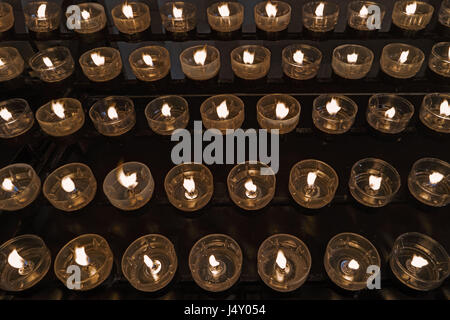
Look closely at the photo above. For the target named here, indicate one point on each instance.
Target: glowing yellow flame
(222, 110)
(127, 11)
(250, 186)
(41, 11)
(224, 11)
(298, 56)
(47, 62)
(153, 265)
(281, 110)
(98, 59)
(165, 110)
(390, 113)
(147, 59)
(411, 8)
(15, 260)
(319, 9)
(333, 107)
(403, 56)
(364, 11)
(213, 262)
(67, 184)
(311, 179)
(419, 262)
(7, 184)
(177, 13)
(112, 113)
(5, 114)
(445, 108)
(189, 185)
(436, 177)
(85, 14)
(375, 182)
(81, 257)
(353, 264)
(58, 109)
(2, 63)
(352, 58)
(200, 56)
(248, 57)
(449, 53)
(281, 260)
(271, 9)
(129, 181)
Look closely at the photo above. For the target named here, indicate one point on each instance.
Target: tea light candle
(313, 183)
(352, 61)
(61, 117)
(301, 61)
(16, 118)
(19, 187)
(439, 61)
(42, 16)
(320, 16)
(71, 187)
(93, 18)
(101, 64)
(412, 15)
(444, 13)
(150, 63)
(251, 185)
(429, 182)
(278, 111)
(400, 60)
(130, 186)
(150, 263)
(373, 182)
(435, 112)
(167, 113)
(389, 113)
(178, 16)
(11, 63)
(113, 116)
(334, 114)
(24, 261)
(225, 16)
(215, 262)
(200, 62)
(131, 17)
(419, 261)
(223, 112)
(272, 16)
(347, 257)
(92, 255)
(6, 17)
(284, 262)
(250, 62)
(359, 18)
(53, 64)
(189, 186)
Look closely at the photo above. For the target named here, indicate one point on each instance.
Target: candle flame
(112, 113)
(165, 110)
(436, 177)
(67, 184)
(352, 58)
(200, 56)
(41, 11)
(147, 59)
(98, 59)
(311, 179)
(250, 186)
(2, 63)
(47, 62)
(189, 184)
(419, 262)
(213, 262)
(129, 181)
(445, 108)
(153, 265)
(390, 113)
(148, 262)
(222, 110)
(298, 56)
(81, 257)
(353, 264)
(85, 14)
(15, 260)
(7, 184)
(319, 9)
(403, 56)
(411, 8)
(248, 57)
(449, 52)
(281, 260)
(177, 13)
(5, 114)
(271, 9)
(281, 110)
(127, 11)
(364, 11)
(224, 11)
(58, 109)
(333, 107)
(375, 182)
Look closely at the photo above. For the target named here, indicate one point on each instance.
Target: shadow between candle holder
(258, 83)
(226, 36)
(44, 36)
(272, 36)
(312, 35)
(8, 34)
(403, 33)
(387, 136)
(136, 37)
(94, 37)
(181, 36)
(423, 129)
(361, 34)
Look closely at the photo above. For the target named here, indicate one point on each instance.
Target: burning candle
(223, 112)
(6, 17)
(11, 63)
(53, 64)
(150, 63)
(24, 261)
(167, 113)
(225, 16)
(373, 182)
(272, 16)
(389, 113)
(42, 16)
(444, 13)
(351, 61)
(278, 111)
(439, 61)
(435, 112)
(334, 114)
(101, 64)
(200, 62)
(93, 257)
(320, 16)
(359, 17)
(301, 61)
(250, 62)
(131, 17)
(401, 60)
(189, 186)
(93, 18)
(251, 185)
(215, 262)
(19, 186)
(130, 186)
(412, 15)
(16, 118)
(284, 262)
(178, 16)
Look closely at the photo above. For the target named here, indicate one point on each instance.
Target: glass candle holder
(150, 263)
(113, 116)
(61, 117)
(93, 18)
(225, 16)
(284, 262)
(16, 118)
(6, 17)
(215, 262)
(435, 112)
(251, 185)
(53, 64)
(359, 18)
(167, 113)
(320, 16)
(20, 186)
(439, 61)
(373, 182)
(11, 63)
(250, 62)
(200, 62)
(278, 111)
(272, 16)
(150, 63)
(429, 182)
(347, 257)
(71, 187)
(130, 186)
(101, 64)
(131, 17)
(313, 183)
(389, 113)
(412, 15)
(352, 61)
(92, 256)
(400, 60)
(419, 261)
(42, 16)
(24, 261)
(223, 112)
(444, 13)
(178, 17)
(301, 61)
(189, 186)
(334, 114)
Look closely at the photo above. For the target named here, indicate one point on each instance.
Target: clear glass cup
(101, 64)
(150, 63)
(412, 15)
(53, 64)
(352, 61)
(225, 16)
(334, 114)
(178, 17)
(278, 112)
(444, 13)
(16, 118)
(439, 60)
(400, 60)
(200, 62)
(167, 113)
(42, 16)
(320, 16)
(131, 17)
(11, 63)
(435, 112)
(250, 62)
(222, 112)
(359, 15)
(6, 16)
(301, 61)
(272, 16)
(93, 18)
